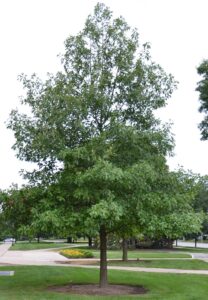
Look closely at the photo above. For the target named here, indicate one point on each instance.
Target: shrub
(76, 253)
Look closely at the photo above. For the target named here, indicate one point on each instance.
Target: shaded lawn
(144, 254)
(137, 254)
(30, 282)
(194, 264)
(23, 246)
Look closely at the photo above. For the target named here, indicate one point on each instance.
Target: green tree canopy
(108, 78)
(202, 88)
(174, 216)
(200, 203)
(30, 212)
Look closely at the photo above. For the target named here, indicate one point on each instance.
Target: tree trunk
(103, 257)
(69, 239)
(89, 241)
(195, 240)
(125, 250)
(133, 243)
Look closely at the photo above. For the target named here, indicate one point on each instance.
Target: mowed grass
(191, 249)
(139, 254)
(194, 264)
(176, 253)
(23, 246)
(31, 282)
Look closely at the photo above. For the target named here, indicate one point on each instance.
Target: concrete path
(202, 256)
(47, 257)
(147, 270)
(4, 248)
(32, 257)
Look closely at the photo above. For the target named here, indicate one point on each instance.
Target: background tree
(30, 212)
(202, 88)
(109, 85)
(200, 203)
(16, 209)
(168, 208)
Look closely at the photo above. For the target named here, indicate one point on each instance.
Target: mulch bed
(94, 289)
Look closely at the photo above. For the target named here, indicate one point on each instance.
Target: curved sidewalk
(51, 258)
(4, 248)
(160, 270)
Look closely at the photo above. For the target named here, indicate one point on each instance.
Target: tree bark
(133, 243)
(89, 241)
(69, 239)
(195, 240)
(103, 257)
(125, 250)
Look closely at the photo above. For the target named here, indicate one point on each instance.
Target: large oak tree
(91, 127)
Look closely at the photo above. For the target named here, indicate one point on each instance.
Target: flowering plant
(76, 253)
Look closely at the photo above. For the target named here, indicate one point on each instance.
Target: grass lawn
(111, 254)
(191, 250)
(194, 264)
(35, 246)
(30, 282)
(144, 254)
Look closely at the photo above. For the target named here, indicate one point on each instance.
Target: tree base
(94, 289)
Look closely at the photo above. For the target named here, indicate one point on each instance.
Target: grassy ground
(144, 254)
(191, 250)
(194, 264)
(111, 254)
(35, 246)
(30, 282)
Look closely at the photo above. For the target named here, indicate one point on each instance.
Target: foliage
(76, 253)
(30, 212)
(108, 79)
(175, 215)
(93, 133)
(16, 205)
(91, 115)
(201, 199)
(202, 88)
(200, 203)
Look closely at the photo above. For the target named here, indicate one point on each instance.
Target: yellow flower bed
(76, 253)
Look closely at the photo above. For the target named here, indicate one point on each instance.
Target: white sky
(32, 33)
